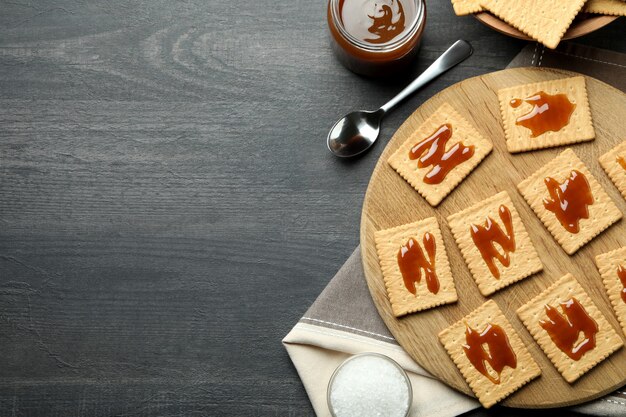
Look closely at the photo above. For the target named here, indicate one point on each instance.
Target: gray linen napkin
(344, 321)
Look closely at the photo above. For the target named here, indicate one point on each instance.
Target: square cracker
(608, 7)
(602, 213)
(464, 7)
(462, 131)
(511, 379)
(543, 20)
(608, 264)
(607, 339)
(613, 168)
(389, 242)
(579, 128)
(524, 260)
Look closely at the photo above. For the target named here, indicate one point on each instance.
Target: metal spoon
(356, 132)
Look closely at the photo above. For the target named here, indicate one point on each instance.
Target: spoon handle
(455, 54)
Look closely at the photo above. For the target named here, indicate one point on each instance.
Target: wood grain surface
(390, 201)
(168, 207)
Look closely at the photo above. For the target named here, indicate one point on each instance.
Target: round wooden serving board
(390, 201)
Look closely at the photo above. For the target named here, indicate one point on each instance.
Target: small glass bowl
(370, 354)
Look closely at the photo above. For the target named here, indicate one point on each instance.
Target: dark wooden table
(168, 208)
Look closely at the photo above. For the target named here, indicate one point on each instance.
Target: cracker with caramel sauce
(440, 154)
(564, 315)
(546, 114)
(499, 371)
(465, 7)
(543, 20)
(494, 243)
(589, 210)
(415, 267)
(614, 163)
(606, 7)
(612, 267)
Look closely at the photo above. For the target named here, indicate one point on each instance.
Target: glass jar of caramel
(376, 37)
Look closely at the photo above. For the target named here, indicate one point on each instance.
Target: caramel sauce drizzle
(622, 161)
(432, 152)
(621, 274)
(569, 201)
(485, 236)
(498, 355)
(383, 26)
(565, 330)
(549, 112)
(412, 261)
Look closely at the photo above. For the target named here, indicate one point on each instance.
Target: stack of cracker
(546, 21)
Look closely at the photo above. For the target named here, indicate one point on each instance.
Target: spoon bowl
(354, 133)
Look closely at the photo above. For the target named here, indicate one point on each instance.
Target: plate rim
(595, 22)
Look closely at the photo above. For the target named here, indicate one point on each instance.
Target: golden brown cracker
(606, 7)
(610, 265)
(602, 213)
(511, 379)
(462, 132)
(566, 288)
(614, 163)
(543, 20)
(519, 138)
(389, 242)
(465, 7)
(524, 261)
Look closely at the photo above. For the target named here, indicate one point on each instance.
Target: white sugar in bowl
(369, 385)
